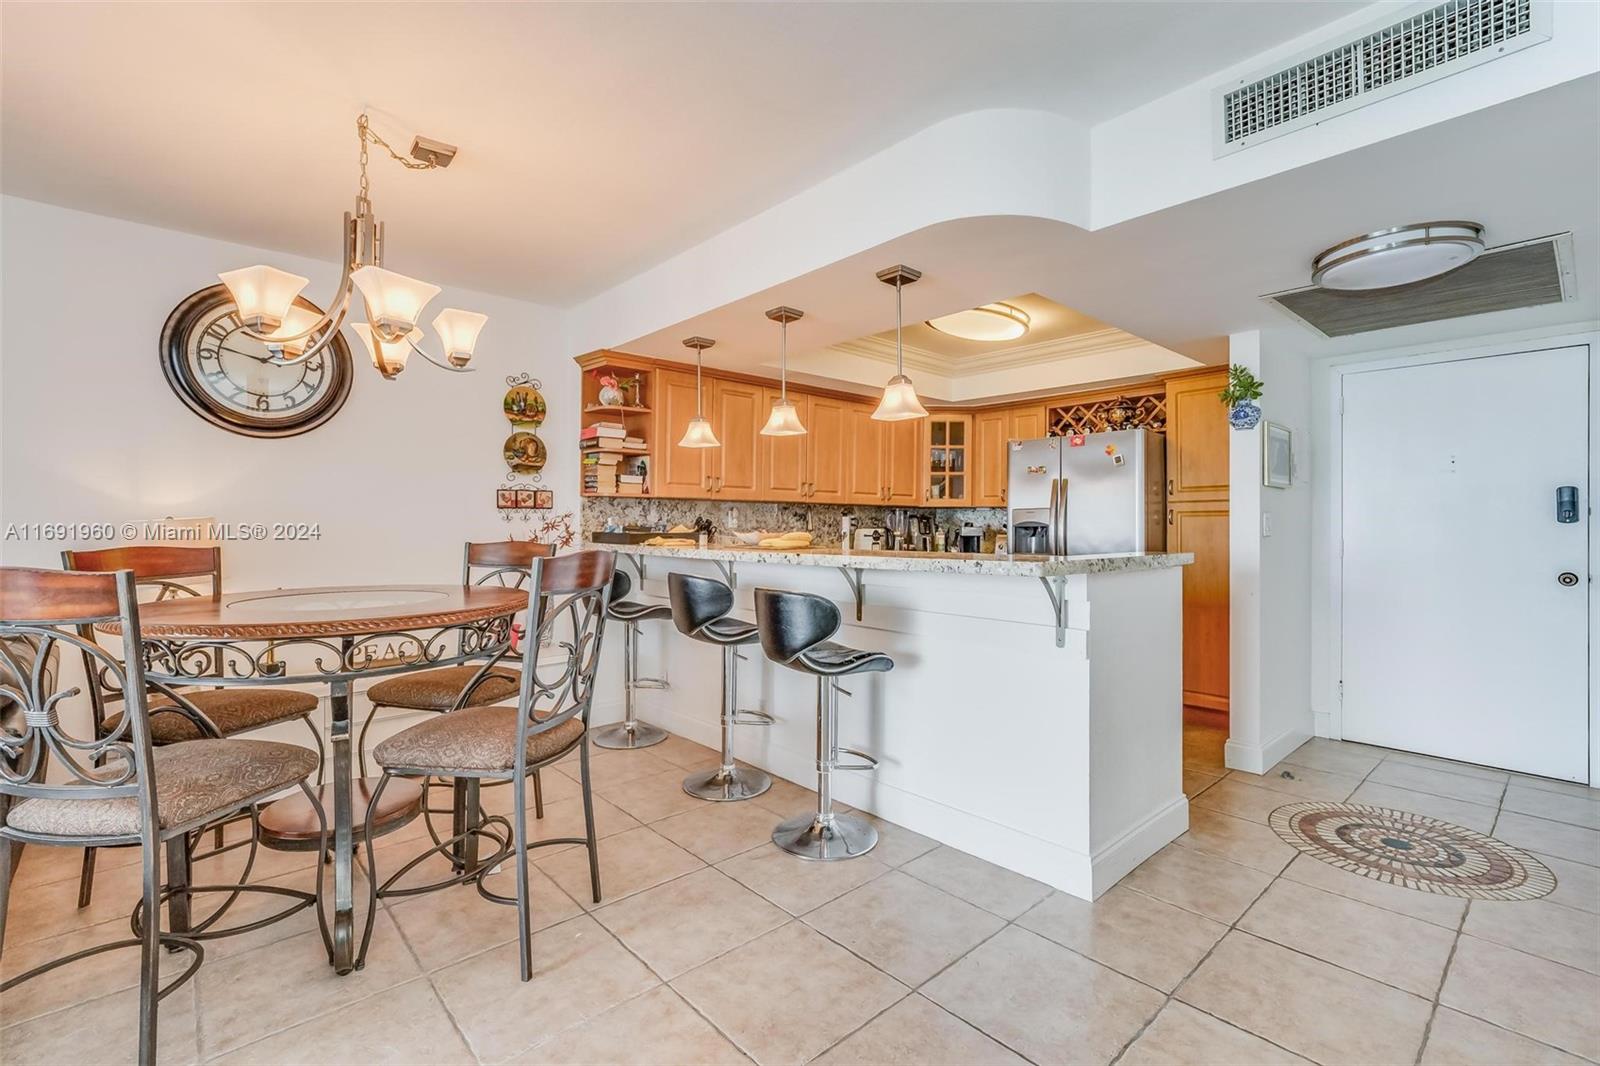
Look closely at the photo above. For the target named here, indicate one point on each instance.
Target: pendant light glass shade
(899, 401)
(263, 294)
(784, 421)
(388, 356)
(458, 332)
(698, 434)
(394, 301)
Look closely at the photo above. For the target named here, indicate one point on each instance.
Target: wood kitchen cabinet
(989, 458)
(826, 449)
(1197, 438)
(863, 439)
(1202, 528)
(1028, 422)
(949, 459)
(737, 415)
(677, 473)
(902, 463)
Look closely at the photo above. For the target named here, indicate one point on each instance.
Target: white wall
(1269, 573)
(90, 431)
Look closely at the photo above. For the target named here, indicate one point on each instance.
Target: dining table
(328, 636)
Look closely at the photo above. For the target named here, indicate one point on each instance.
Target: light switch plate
(1266, 523)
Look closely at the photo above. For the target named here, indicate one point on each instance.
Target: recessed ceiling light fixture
(784, 420)
(991, 322)
(1398, 256)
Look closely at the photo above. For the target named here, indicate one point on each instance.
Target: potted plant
(1243, 390)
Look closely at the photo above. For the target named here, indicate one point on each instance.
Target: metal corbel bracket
(1056, 589)
(726, 570)
(637, 563)
(857, 583)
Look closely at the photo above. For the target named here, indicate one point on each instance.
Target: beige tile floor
(711, 946)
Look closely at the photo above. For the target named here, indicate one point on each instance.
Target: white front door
(1465, 602)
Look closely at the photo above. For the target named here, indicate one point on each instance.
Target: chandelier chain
(366, 135)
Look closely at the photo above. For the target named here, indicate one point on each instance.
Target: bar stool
(630, 732)
(700, 607)
(794, 629)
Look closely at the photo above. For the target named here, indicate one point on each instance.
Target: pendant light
(698, 433)
(899, 401)
(784, 420)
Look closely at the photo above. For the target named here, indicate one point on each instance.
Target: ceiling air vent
(1389, 58)
(1528, 274)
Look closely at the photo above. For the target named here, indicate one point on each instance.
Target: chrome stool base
(635, 734)
(727, 783)
(842, 836)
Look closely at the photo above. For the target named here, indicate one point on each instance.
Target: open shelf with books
(614, 439)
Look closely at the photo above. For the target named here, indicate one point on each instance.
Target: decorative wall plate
(524, 453)
(524, 406)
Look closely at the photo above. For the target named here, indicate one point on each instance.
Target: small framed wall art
(1277, 456)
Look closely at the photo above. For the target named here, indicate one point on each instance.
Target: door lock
(1567, 579)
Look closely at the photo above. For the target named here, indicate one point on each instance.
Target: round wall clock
(226, 376)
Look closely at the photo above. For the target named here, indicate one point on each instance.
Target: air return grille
(1397, 56)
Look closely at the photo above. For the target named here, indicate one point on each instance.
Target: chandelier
(899, 397)
(265, 296)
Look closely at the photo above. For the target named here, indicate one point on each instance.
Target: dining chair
(167, 571)
(114, 787)
(503, 563)
(568, 598)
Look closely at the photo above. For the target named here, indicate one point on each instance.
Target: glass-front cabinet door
(949, 459)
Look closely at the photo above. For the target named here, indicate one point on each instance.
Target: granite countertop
(921, 562)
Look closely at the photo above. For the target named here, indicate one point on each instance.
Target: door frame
(1330, 500)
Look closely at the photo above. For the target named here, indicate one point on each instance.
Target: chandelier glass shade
(265, 296)
(899, 401)
(389, 356)
(784, 421)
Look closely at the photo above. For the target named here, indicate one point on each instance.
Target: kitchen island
(1033, 718)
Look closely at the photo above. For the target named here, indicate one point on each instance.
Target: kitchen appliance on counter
(970, 539)
(1088, 494)
(920, 535)
(870, 539)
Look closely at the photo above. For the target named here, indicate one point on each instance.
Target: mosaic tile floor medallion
(1411, 850)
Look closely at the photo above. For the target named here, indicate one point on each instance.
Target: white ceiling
(596, 139)
(1186, 277)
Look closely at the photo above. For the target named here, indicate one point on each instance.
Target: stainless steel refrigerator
(1091, 494)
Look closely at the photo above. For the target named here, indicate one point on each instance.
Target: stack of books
(600, 473)
(630, 485)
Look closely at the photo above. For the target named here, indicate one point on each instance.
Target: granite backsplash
(817, 518)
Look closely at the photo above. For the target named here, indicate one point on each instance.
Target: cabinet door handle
(1169, 517)
(1170, 490)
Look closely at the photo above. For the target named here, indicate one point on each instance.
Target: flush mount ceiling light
(265, 296)
(899, 398)
(784, 420)
(991, 322)
(1398, 256)
(698, 434)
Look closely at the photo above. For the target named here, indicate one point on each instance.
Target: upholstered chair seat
(234, 710)
(438, 690)
(473, 740)
(196, 782)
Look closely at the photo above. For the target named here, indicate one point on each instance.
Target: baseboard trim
(1253, 759)
(1202, 699)
(1117, 859)
(1074, 872)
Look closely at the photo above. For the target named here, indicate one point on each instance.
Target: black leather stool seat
(837, 660)
(631, 610)
(700, 606)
